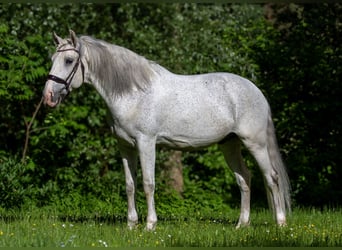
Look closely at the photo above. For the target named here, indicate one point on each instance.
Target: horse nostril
(52, 97)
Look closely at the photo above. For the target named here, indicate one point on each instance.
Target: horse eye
(68, 61)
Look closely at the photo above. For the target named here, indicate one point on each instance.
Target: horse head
(67, 71)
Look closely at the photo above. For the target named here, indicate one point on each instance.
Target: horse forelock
(117, 69)
(65, 42)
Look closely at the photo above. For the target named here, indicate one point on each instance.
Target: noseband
(68, 80)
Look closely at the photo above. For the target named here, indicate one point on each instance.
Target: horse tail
(279, 167)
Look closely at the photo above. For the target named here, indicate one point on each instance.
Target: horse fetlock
(244, 219)
(281, 219)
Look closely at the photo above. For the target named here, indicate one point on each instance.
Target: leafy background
(292, 52)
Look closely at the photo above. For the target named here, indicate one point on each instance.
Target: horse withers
(151, 106)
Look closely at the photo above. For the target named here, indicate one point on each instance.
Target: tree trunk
(172, 171)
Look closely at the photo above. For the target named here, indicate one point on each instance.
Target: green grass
(308, 227)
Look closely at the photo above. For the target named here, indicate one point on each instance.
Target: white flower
(103, 243)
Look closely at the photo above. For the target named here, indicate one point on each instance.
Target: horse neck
(115, 103)
(106, 96)
(116, 70)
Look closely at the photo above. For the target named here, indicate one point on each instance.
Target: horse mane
(119, 70)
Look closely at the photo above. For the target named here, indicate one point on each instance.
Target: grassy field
(40, 228)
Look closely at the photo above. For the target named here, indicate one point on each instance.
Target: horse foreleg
(129, 158)
(147, 160)
(232, 153)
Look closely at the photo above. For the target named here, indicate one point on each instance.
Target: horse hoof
(132, 225)
(150, 226)
(242, 225)
(282, 224)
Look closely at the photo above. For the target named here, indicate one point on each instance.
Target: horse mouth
(51, 100)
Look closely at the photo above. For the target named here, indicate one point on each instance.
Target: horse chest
(123, 133)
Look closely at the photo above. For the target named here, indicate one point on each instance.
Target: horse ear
(57, 39)
(73, 38)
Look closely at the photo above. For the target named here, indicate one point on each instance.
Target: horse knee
(243, 182)
(149, 187)
(272, 180)
(130, 188)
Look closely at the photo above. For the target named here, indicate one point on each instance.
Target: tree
(302, 70)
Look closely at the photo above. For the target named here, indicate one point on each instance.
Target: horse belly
(195, 129)
(185, 143)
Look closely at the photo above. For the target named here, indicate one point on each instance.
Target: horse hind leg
(231, 150)
(273, 177)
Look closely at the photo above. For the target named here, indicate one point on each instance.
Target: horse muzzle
(54, 93)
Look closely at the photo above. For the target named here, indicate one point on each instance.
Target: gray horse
(151, 106)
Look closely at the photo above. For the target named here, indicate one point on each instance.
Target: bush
(15, 182)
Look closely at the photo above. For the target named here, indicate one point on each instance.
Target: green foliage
(21, 65)
(15, 182)
(301, 69)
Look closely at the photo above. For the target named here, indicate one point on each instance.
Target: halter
(68, 80)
